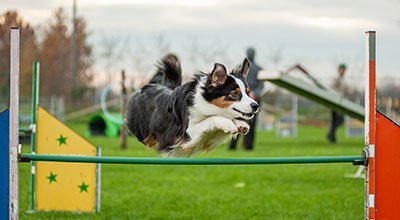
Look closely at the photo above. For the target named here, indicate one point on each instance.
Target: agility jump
(379, 156)
(54, 186)
(50, 181)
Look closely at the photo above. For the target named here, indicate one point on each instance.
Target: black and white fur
(181, 120)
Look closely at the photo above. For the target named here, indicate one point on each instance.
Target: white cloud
(336, 23)
(187, 3)
(310, 31)
(36, 16)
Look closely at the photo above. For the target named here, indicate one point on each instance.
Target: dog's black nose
(254, 106)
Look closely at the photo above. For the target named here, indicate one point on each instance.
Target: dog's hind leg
(150, 141)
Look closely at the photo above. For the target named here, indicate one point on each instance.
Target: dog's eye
(248, 90)
(235, 96)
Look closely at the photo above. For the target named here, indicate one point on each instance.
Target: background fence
(54, 104)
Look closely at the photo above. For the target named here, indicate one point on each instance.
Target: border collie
(182, 120)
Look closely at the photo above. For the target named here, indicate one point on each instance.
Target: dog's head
(230, 92)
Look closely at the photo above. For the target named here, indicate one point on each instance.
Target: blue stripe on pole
(4, 163)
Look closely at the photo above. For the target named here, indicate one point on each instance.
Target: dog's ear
(245, 67)
(218, 75)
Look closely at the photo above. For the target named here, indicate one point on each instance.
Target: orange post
(381, 139)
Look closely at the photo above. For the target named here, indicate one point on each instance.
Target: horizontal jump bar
(356, 160)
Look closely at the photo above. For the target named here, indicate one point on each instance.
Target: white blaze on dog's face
(229, 93)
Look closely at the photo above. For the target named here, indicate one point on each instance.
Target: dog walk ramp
(328, 98)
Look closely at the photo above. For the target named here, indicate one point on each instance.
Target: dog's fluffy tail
(169, 72)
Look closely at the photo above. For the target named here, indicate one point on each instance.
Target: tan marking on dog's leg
(150, 141)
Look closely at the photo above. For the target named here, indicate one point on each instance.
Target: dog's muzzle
(248, 115)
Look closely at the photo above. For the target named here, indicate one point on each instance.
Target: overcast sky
(319, 34)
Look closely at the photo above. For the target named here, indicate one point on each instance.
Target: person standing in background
(256, 87)
(336, 117)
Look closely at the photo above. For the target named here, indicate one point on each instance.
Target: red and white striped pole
(370, 124)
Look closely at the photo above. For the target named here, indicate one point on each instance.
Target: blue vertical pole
(4, 163)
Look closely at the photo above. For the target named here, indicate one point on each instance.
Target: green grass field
(225, 192)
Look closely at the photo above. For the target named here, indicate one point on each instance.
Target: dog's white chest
(210, 139)
(205, 135)
(206, 141)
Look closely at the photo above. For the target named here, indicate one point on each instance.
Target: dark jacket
(256, 85)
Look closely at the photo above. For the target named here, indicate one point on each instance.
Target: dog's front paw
(230, 128)
(243, 130)
(227, 126)
(242, 126)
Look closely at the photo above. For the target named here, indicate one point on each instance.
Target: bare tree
(142, 57)
(162, 46)
(112, 54)
(202, 56)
